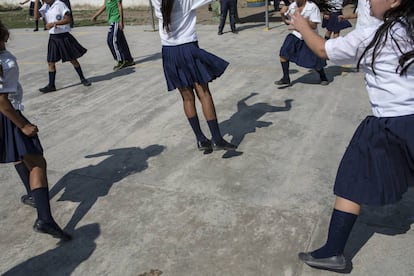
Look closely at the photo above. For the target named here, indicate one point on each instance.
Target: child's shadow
(388, 220)
(87, 184)
(246, 120)
(64, 259)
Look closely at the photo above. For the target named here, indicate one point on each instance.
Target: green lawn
(17, 17)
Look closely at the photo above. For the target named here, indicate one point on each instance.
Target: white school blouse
(365, 19)
(10, 79)
(183, 21)
(310, 11)
(54, 13)
(389, 93)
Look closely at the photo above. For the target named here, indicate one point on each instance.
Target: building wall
(93, 3)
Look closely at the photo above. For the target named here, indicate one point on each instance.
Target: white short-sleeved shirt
(310, 11)
(183, 21)
(389, 93)
(10, 79)
(54, 13)
(365, 19)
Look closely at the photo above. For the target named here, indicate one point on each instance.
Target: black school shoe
(86, 82)
(334, 262)
(283, 81)
(52, 229)
(28, 200)
(222, 145)
(204, 145)
(47, 89)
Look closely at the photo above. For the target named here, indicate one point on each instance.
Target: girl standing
(62, 45)
(377, 166)
(331, 19)
(294, 48)
(189, 68)
(19, 141)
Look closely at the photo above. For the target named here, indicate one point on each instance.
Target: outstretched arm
(99, 12)
(315, 42)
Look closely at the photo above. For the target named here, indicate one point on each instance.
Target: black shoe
(222, 145)
(283, 81)
(128, 63)
(204, 145)
(334, 262)
(220, 33)
(52, 229)
(28, 200)
(35, 30)
(235, 32)
(86, 82)
(324, 81)
(47, 89)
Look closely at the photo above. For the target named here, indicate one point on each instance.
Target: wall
(94, 3)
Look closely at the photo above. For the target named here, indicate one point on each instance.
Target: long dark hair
(404, 15)
(166, 9)
(4, 32)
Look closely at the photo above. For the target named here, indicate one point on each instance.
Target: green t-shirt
(112, 10)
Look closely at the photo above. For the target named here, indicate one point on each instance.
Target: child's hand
(29, 130)
(50, 25)
(93, 18)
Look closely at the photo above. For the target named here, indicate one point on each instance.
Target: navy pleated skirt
(14, 144)
(378, 165)
(187, 64)
(333, 24)
(296, 50)
(64, 47)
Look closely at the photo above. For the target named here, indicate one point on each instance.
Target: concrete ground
(127, 180)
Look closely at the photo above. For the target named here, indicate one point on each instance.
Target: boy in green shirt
(116, 38)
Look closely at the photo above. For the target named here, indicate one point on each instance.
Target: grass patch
(18, 17)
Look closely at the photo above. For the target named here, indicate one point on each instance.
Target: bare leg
(206, 100)
(346, 205)
(188, 97)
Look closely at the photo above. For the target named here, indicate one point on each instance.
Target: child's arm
(7, 110)
(24, 2)
(315, 42)
(99, 12)
(121, 13)
(346, 17)
(65, 20)
(37, 5)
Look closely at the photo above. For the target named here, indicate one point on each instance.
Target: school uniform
(62, 45)
(365, 19)
(378, 164)
(184, 63)
(333, 24)
(294, 48)
(14, 144)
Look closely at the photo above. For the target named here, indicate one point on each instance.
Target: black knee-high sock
(41, 198)
(52, 77)
(195, 125)
(285, 69)
(24, 174)
(36, 24)
(215, 130)
(322, 74)
(80, 73)
(339, 229)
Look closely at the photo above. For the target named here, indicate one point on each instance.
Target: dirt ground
(246, 14)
